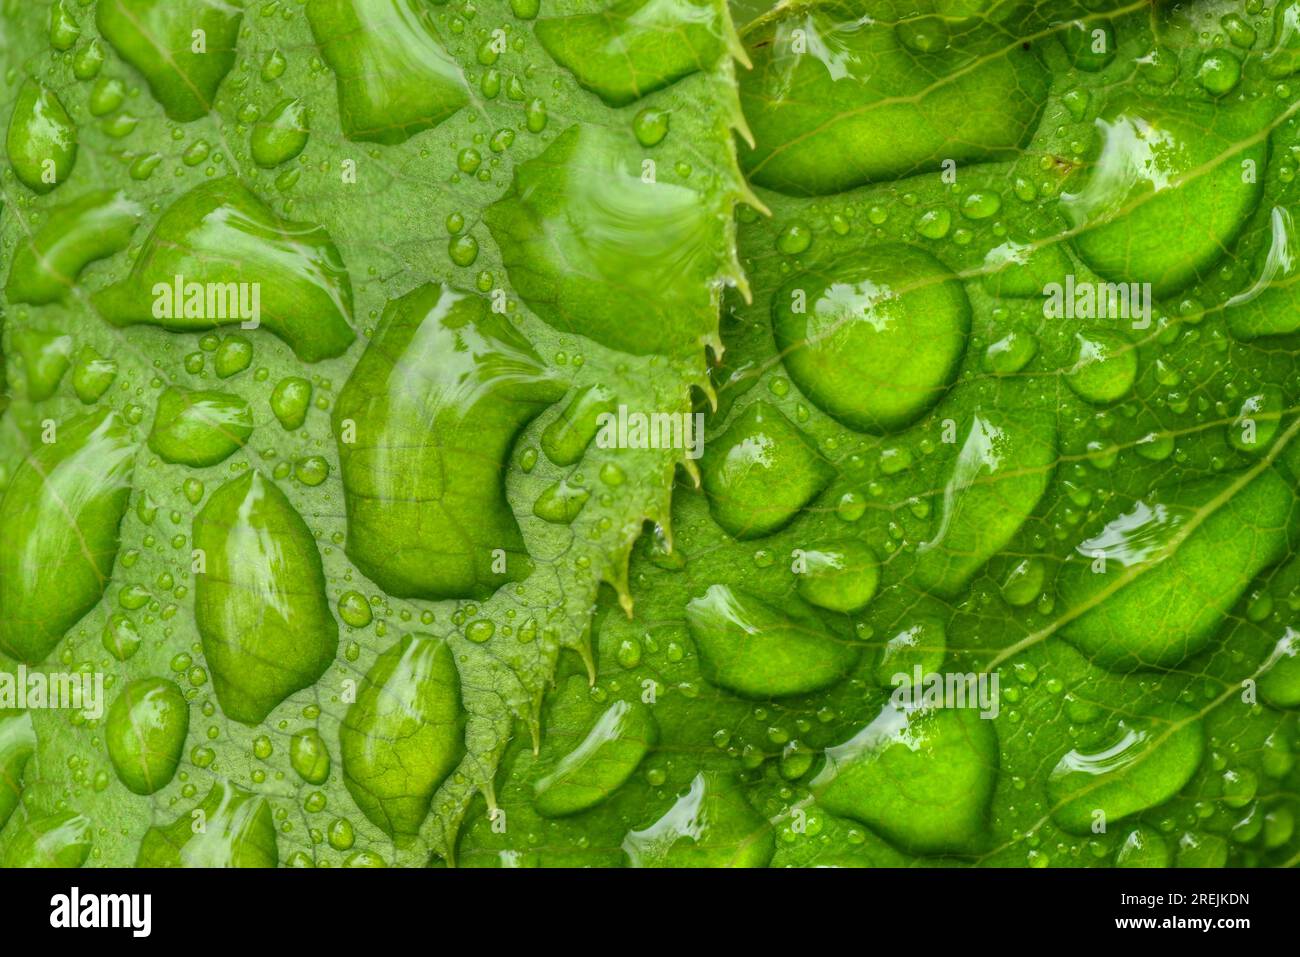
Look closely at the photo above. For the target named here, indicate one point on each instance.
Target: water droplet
(651, 126)
(42, 140)
(1146, 760)
(394, 76)
(260, 602)
(874, 777)
(199, 428)
(158, 39)
(281, 135)
(220, 234)
(711, 825)
(404, 733)
(145, 733)
(874, 340)
(634, 47)
(761, 472)
(757, 650)
(436, 401)
(61, 513)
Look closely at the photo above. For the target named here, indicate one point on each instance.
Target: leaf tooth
(583, 648)
(731, 37)
(692, 470)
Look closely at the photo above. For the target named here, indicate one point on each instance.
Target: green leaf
(263, 517)
(988, 556)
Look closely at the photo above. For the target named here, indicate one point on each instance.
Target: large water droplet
(199, 428)
(74, 235)
(435, 402)
(1001, 470)
(761, 472)
(1268, 307)
(566, 438)
(404, 734)
(280, 135)
(875, 339)
(235, 257)
(17, 745)
(597, 248)
(921, 778)
(1167, 194)
(184, 48)
(836, 101)
(839, 576)
(1144, 763)
(711, 825)
(260, 601)
(62, 839)
(1104, 367)
(145, 733)
(42, 140)
(309, 756)
(1279, 681)
(756, 650)
(608, 754)
(394, 77)
(45, 358)
(635, 46)
(61, 514)
(238, 831)
(1189, 551)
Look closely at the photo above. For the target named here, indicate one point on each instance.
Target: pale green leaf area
(180, 169)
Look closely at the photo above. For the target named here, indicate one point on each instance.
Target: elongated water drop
(61, 514)
(309, 756)
(425, 424)
(404, 734)
(145, 733)
(42, 140)
(219, 256)
(237, 831)
(568, 436)
(1001, 469)
(1269, 307)
(394, 77)
(184, 48)
(92, 227)
(839, 576)
(260, 601)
